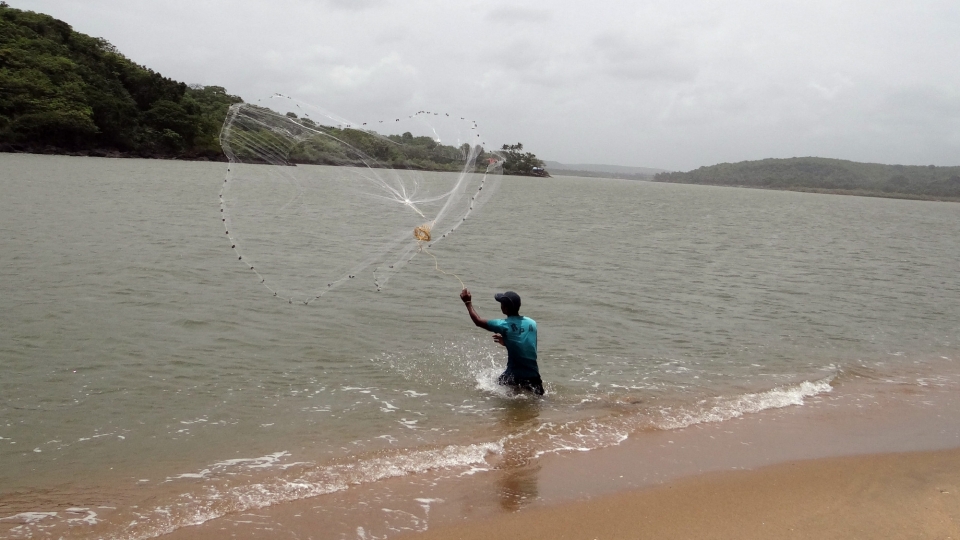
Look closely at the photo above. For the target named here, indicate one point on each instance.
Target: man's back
(520, 338)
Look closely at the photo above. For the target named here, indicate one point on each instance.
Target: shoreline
(856, 427)
(871, 458)
(869, 462)
(220, 158)
(115, 154)
(110, 154)
(821, 191)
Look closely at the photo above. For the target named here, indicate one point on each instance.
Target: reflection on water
(517, 483)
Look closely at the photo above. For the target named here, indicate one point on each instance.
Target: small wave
(228, 465)
(594, 433)
(217, 501)
(192, 323)
(728, 408)
(245, 484)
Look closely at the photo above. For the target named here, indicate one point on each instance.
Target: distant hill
(829, 176)
(604, 171)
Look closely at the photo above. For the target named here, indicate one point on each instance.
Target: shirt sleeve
(497, 325)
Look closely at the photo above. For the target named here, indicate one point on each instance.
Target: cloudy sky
(667, 84)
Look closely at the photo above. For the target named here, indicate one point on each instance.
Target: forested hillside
(831, 176)
(258, 134)
(65, 92)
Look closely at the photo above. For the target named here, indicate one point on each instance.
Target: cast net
(312, 201)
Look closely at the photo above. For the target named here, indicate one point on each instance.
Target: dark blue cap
(510, 298)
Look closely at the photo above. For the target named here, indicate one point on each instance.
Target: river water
(148, 381)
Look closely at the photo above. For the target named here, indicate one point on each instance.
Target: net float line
(269, 134)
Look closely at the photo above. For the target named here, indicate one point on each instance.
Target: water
(149, 382)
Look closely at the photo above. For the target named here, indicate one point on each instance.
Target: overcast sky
(668, 84)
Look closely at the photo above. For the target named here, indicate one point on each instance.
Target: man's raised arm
(468, 301)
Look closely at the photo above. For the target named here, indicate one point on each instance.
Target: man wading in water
(519, 335)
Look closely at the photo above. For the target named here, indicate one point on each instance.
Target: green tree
(67, 91)
(518, 162)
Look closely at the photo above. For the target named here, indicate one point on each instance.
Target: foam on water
(30, 522)
(29, 517)
(219, 492)
(243, 484)
(225, 466)
(307, 482)
(486, 378)
(595, 433)
(722, 409)
(89, 516)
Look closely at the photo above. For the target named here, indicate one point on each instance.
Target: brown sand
(777, 474)
(906, 495)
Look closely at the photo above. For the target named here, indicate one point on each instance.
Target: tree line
(260, 135)
(64, 92)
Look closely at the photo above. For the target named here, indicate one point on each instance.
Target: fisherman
(519, 335)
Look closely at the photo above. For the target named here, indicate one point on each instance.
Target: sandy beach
(903, 495)
(870, 460)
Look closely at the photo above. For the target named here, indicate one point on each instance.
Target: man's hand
(499, 339)
(468, 301)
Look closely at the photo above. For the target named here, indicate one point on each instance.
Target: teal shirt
(520, 336)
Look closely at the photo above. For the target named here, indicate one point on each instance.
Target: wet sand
(871, 460)
(868, 461)
(905, 495)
